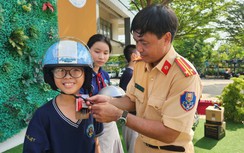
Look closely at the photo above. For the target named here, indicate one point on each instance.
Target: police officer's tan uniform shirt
(168, 93)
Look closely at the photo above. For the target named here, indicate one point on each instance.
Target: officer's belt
(167, 147)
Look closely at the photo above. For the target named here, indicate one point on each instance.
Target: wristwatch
(123, 118)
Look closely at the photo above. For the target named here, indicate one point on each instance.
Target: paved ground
(211, 88)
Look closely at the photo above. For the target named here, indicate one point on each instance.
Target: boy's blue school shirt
(50, 131)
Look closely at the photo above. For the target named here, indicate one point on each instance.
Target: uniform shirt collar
(99, 71)
(165, 64)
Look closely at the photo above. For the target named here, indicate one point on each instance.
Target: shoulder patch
(188, 100)
(185, 67)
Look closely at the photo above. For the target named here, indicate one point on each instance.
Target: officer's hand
(99, 99)
(105, 112)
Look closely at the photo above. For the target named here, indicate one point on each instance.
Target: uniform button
(151, 79)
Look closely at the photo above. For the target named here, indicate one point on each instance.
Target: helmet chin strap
(76, 96)
(80, 106)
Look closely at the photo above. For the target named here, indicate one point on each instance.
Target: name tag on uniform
(139, 87)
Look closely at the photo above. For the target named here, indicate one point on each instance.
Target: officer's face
(151, 49)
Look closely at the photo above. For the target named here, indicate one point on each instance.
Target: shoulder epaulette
(185, 67)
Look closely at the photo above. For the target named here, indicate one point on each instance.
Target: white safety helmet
(113, 91)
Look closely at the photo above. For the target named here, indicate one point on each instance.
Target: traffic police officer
(164, 89)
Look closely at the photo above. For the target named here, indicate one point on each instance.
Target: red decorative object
(47, 5)
(78, 104)
(202, 105)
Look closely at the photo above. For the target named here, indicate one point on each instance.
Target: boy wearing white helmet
(64, 124)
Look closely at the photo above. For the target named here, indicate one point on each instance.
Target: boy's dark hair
(157, 19)
(128, 50)
(99, 38)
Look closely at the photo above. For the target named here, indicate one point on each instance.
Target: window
(105, 28)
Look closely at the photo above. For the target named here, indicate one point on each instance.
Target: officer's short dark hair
(157, 19)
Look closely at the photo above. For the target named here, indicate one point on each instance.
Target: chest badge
(90, 131)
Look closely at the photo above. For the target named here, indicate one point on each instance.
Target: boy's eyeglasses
(60, 73)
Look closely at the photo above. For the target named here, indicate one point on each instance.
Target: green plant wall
(27, 29)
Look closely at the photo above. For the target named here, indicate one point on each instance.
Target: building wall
(83, 22)
(77, 22)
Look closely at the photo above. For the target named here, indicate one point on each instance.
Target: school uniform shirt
(99, 80)
(110, 140)
(168, 93)
(125, 78)
(50, 131)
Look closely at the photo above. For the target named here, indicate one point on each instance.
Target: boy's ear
(133, 57)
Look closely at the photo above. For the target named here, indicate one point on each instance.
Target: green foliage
(18, 40)
(1, 15)
(206, 20)
(197, 18)
(230, 51)
(25, 36)
(33, 32)
(6, 67)
(232, 98)
(233, 23)
(115, 63)
(195, 50)
(27, 7)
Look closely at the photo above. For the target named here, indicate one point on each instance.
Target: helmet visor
(68, 53)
